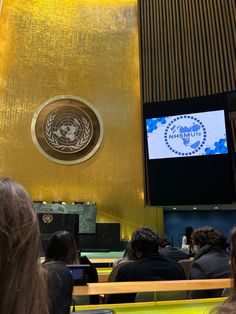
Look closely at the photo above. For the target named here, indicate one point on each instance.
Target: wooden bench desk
(149, 286)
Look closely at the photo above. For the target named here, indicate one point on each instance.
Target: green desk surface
(104, 255)
(200, 306)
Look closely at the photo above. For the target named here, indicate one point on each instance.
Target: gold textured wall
(89, 49)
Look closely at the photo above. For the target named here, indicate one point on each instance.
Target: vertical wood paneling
(187, 48)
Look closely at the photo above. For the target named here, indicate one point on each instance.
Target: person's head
(130, 253)
(223, 241)
(61, 247)
(164, 241)
(233, 258)
(23, 281)
(206, 236)
(230, 304)
(144, 240)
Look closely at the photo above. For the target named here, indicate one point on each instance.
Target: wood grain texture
(148, 286)
(187, 48)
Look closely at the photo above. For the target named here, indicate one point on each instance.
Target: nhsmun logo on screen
(185, 135)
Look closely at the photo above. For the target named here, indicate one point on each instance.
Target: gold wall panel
(187, 48)
(89, 49)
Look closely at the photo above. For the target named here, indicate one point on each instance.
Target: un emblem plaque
(67, 129)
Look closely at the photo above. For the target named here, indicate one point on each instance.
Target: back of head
(230, 304)
(62, 248)
(129, 253)
(22, 277)
(206, 236)
(145, 240)
(233, 259)
(164, 241)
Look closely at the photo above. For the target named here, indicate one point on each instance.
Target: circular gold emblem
(67, 129)
(47, 218)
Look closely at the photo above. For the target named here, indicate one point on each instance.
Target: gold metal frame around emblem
(64, 104)
(47, 218)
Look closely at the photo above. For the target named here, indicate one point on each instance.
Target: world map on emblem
(68, 132)
(67, 129)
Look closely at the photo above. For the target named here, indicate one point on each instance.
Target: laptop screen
(80, 273)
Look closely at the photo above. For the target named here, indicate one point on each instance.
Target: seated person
(229, 305)
(171, 252)
(23, 282)
(211, 261)
(61, 248)
(187, 245)
(60, 287)
(129, 255)
(150, 264)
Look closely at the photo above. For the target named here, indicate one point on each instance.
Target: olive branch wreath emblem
(54, 142)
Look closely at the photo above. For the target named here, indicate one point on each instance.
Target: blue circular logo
(185, 135)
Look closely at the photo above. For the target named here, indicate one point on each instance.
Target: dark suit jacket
(150, 267)
(209, 263)
(173, 253)
(60, 285)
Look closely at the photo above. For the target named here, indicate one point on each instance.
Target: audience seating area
(152, 289)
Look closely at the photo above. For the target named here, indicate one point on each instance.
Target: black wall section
(107, 237)
(49, 223)
(206, 179)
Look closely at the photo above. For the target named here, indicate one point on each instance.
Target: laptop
(80, 273)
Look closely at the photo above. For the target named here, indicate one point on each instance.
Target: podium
(86, 212)
(49, 223)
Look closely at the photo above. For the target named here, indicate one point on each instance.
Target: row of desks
(202, 306)
(198, 306)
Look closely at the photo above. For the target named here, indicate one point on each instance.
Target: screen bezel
(179, 107)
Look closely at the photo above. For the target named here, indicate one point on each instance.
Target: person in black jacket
(171, 252)
(211, 261)
(61, 248)
(150, 266)
(60, 286)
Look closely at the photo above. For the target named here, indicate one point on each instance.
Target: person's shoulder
(84, 260)
(58, 268)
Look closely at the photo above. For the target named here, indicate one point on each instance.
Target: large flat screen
(188, 152)
(187, 135)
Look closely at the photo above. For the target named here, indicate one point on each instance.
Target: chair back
(185, 263)
(160, 296)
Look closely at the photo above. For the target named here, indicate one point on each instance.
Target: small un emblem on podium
(47, 218)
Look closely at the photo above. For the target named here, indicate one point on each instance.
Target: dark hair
(230, 304)
(23, 283)
(206, 236)
(233, 261)
(145, 240)
(130, 253)
(62, 248)
(223, 241)
(164, 241)
(188, 233)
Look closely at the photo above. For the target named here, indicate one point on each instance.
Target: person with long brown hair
(23, 281)
(229, 306)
